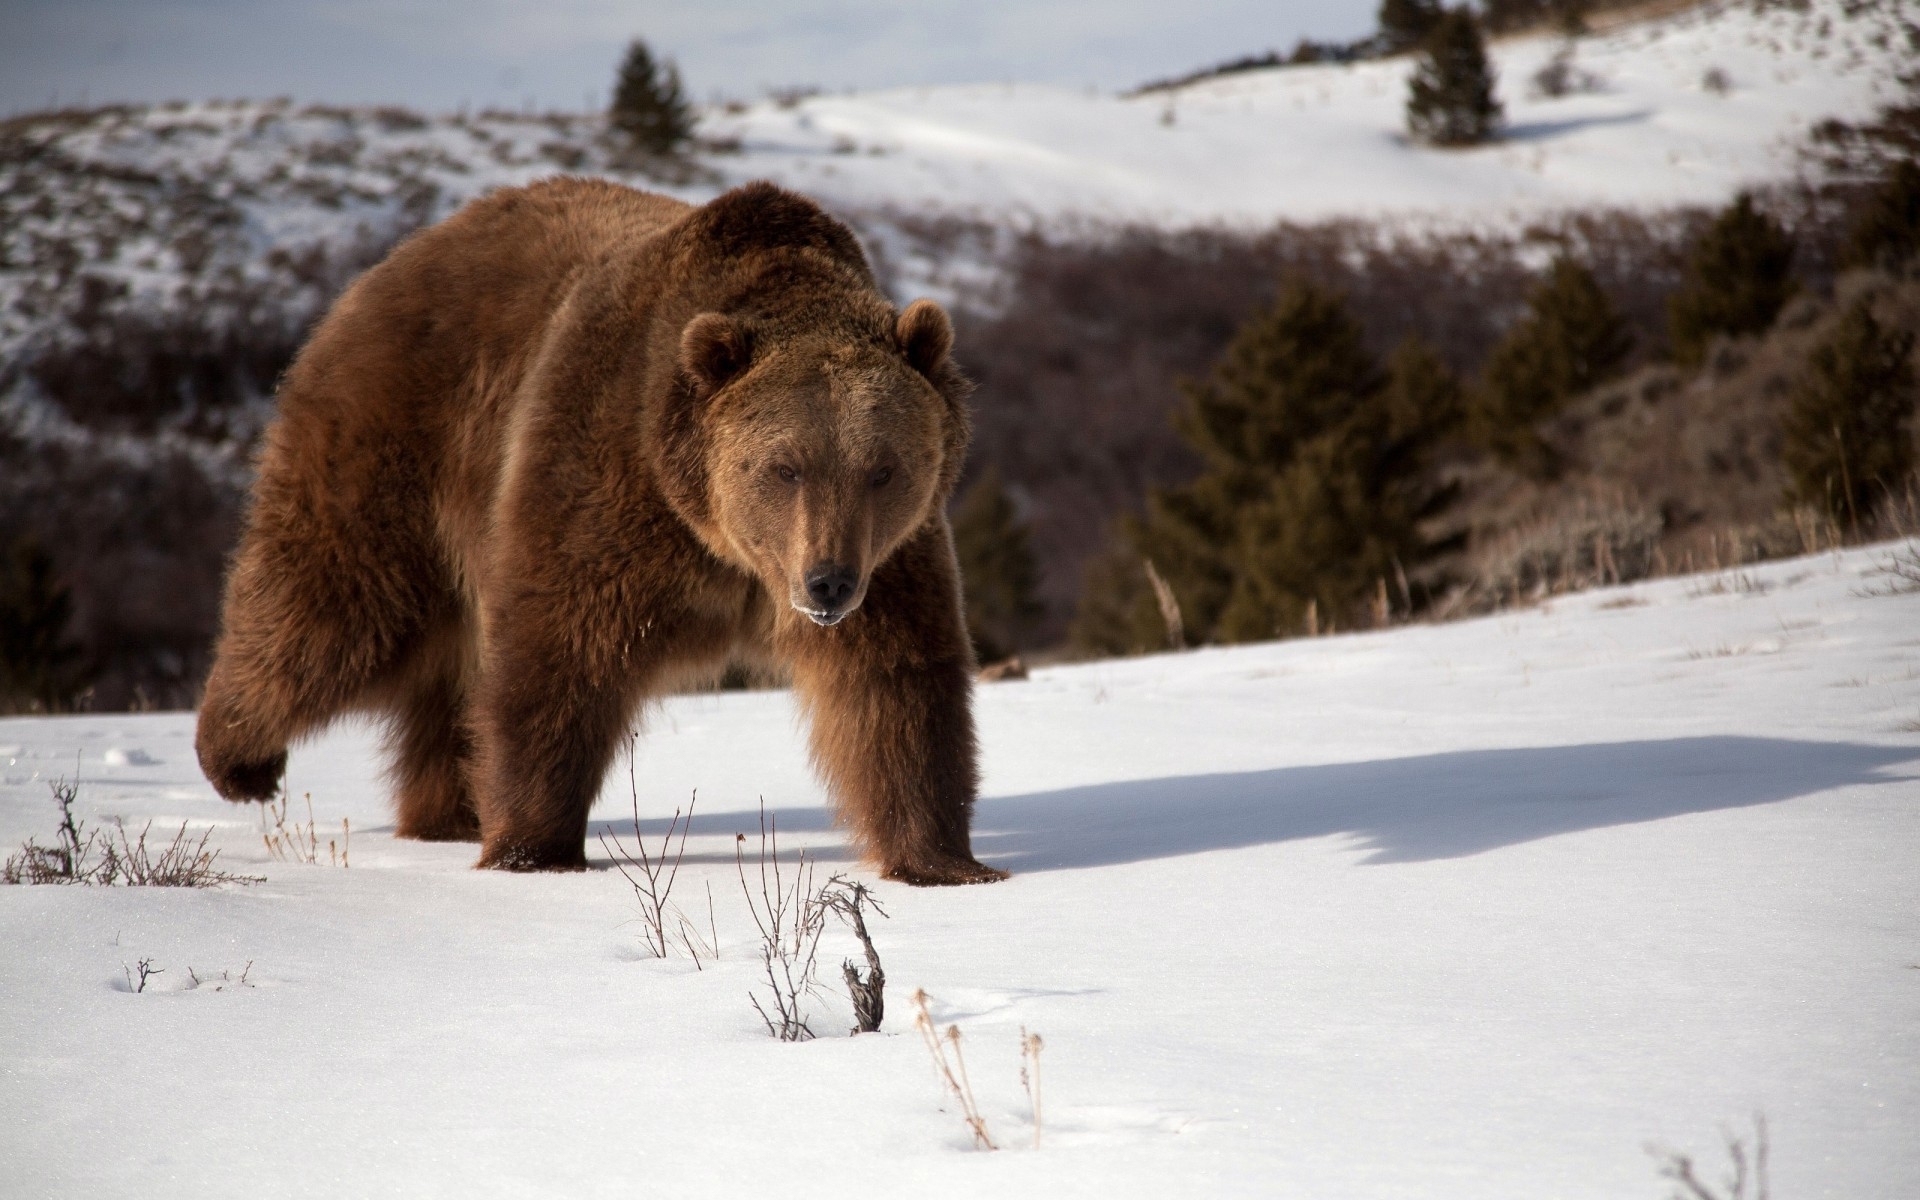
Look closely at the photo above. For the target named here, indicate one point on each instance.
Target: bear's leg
(546, 727)
(307, 632)
(889, 692)
(432, 749)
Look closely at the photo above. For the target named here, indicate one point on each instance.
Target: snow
(1474, 910)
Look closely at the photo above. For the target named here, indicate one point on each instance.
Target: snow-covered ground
(1474, 910)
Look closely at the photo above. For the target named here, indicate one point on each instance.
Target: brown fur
(573, 446)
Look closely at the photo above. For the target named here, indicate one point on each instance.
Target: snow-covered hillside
(168, 202)
(1683, 110)
(1476, 910)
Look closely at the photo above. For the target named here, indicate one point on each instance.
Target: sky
(438, 55)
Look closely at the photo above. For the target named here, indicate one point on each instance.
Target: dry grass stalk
(790, 918)
(848, 900)
(1169, 607)
(1746, 1179)
(297, 842)
(1030, 1046)
(952, 1075)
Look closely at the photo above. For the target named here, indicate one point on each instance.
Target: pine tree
(648, 103)
(1886, 234)
(1344, 516)
(38, 666)
(1405, 24)
(1739, 275)
(1450, 99)
(1000, 574)
(1316, 479)
(1846, 437)
(1571, 339)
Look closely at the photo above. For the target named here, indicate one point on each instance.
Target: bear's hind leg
(432, 747)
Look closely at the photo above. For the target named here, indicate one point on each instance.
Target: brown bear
(578, 445)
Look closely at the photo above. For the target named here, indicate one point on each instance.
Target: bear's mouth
(824, 616)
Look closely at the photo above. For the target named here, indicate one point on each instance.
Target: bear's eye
(882, 476)
(787, 473)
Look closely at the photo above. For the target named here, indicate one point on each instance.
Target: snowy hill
(159, 204)
(1473, 910)
(1681, 110)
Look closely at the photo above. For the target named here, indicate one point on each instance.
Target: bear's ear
(925, 336)
(713, 349)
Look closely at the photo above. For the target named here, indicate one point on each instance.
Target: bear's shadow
(1398, 810)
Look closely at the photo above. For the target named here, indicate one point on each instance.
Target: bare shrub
(790, 917)
(1746, 1177)
(652, 875)
(1562, 77)
(1595, 540)
(115, 857)
(848, 901)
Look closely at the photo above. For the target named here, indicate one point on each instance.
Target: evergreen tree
(1345, 514)
(1000, 575)
(1887, 232)
(1739, 274)
(648, 103)
(1571, 339)
(1315, 480)
(38, 666)
(1846, 436)
(1450, 99)
(1405, 24)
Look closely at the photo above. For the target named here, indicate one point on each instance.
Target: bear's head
(822, 449)
(812, 429)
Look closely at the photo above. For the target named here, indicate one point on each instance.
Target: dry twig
(147, 971)
(1748, 1170)
(848, 900)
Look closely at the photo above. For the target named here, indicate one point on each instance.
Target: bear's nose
(830, 586)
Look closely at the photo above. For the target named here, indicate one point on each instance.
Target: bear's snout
(830, 590)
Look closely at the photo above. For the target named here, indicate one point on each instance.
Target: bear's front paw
(500, 854)
(943, 872)
(247, 781)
